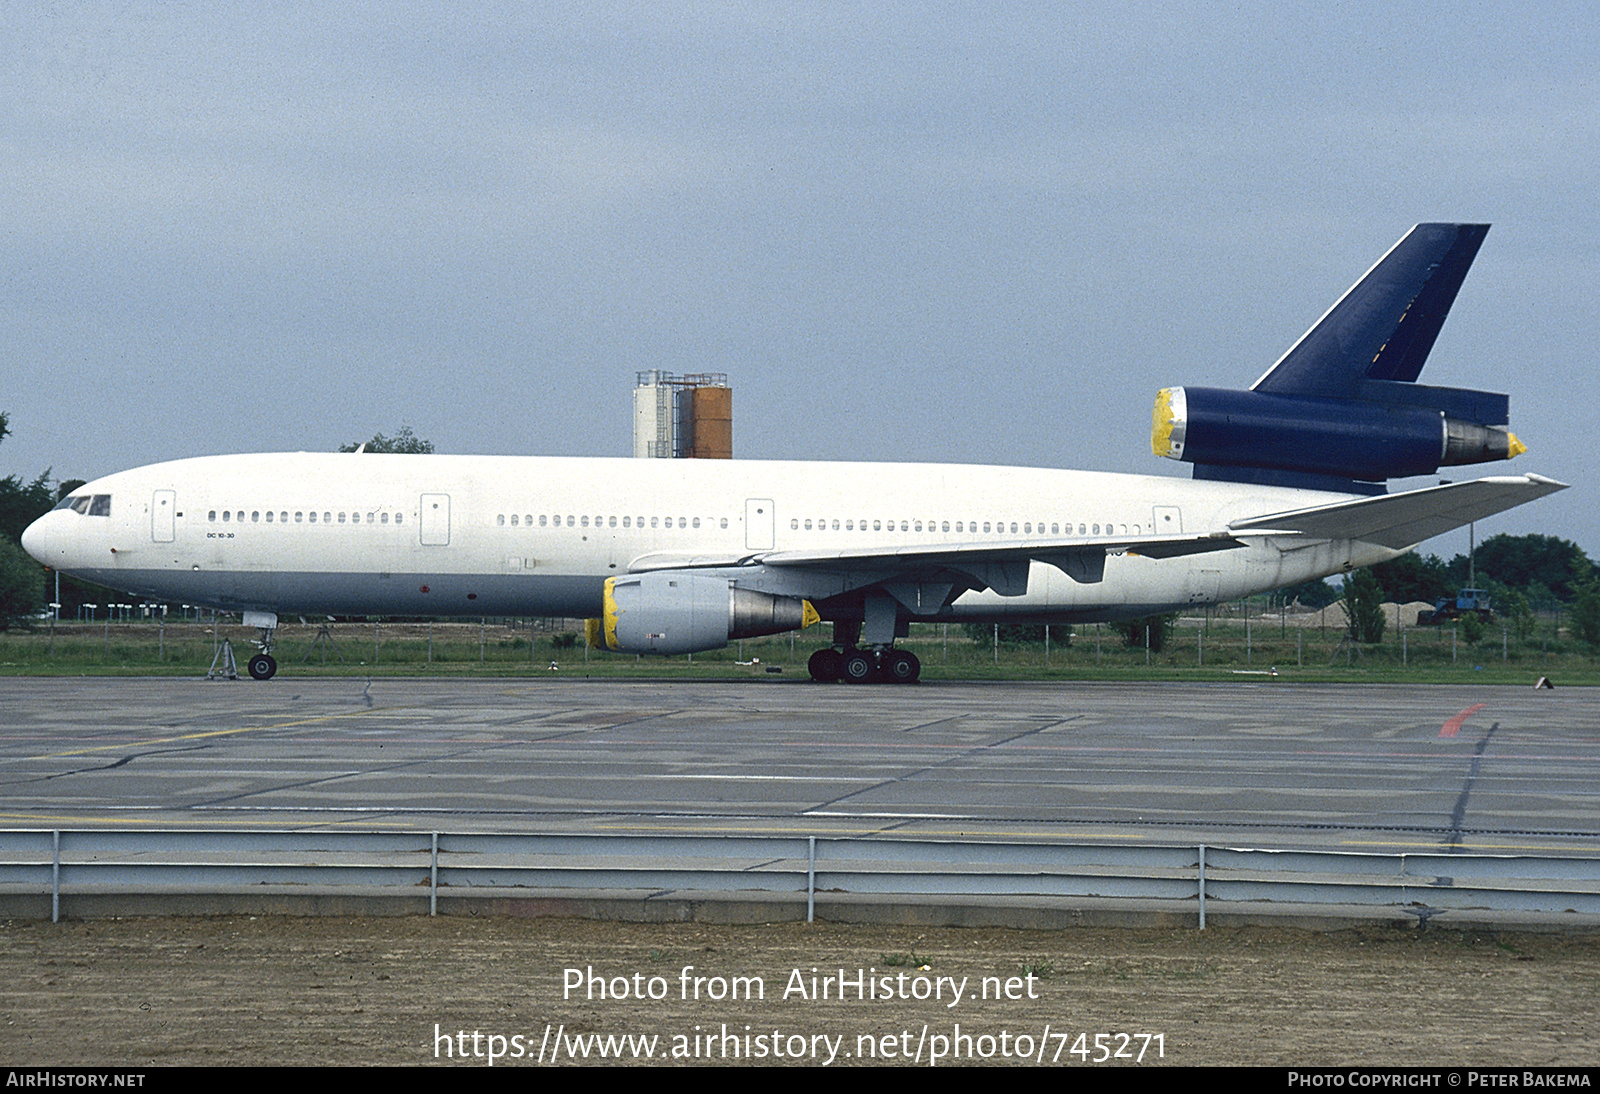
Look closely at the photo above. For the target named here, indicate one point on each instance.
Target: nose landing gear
(263, 666)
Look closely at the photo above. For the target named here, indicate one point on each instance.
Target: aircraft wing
(1019, 550)
(1001, 566)
(1406, 519)
(1390, 520)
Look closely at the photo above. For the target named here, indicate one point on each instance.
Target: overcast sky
(936, 232)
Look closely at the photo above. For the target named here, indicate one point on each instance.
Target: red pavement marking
(1453, 726)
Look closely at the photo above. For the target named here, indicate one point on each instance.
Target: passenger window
(212, 516)
(226, 513)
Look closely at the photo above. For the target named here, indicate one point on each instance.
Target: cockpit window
(90, 505)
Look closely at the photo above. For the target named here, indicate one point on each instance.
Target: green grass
(463, 649)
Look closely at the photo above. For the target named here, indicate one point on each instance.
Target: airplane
(682, 556)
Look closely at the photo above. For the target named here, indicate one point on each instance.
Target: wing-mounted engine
(672, 612)
(1342, 409)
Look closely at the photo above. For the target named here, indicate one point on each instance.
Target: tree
(404, 442)
(1158, 628)
(23, 503)
(1520, 561)
(1584, 616)
(1011, 634)
(1413, 577)
(1363, 604)
(1512, 607)
(1316, 593)
(22, 586)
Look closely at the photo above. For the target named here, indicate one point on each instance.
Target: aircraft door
(1168, 520)
(161, 510)
(758, 524)
(435, 520)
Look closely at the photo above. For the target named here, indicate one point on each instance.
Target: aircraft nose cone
(36, 540)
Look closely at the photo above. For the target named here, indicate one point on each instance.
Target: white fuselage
(479, 535)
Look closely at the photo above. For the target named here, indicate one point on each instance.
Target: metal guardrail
(72, 862)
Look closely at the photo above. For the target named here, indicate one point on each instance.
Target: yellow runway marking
(1441, 849)
(202, 735)
(180, 826)
(910, 835)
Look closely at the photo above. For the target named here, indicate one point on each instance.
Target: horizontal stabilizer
(1403, 520)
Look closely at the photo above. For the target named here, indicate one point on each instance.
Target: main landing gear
(864, 666)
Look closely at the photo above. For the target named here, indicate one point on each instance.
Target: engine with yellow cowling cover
(673, 612)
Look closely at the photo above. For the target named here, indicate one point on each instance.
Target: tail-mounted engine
(1354, 439)
(1342, 410)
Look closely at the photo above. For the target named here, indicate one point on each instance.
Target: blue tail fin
(1341, 410)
